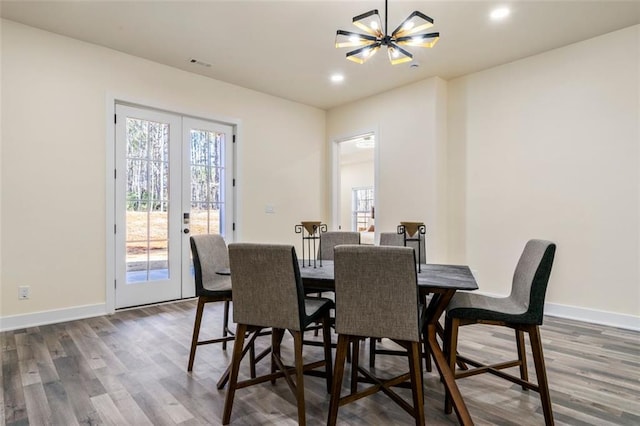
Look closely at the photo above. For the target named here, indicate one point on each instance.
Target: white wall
(411, 185)
(548, 147)
(54, 126)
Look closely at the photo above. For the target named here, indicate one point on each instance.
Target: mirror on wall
(356, 186)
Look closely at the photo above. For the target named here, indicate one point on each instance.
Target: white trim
(592, 316)
(628, 322)
(110, 218)
(34, 319)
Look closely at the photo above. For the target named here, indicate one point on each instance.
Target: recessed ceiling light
(337, 78)
(499, 13)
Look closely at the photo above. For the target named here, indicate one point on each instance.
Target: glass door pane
(147, 222)
(207, 182)
(148, 205)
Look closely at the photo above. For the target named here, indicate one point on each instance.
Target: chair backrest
(328, 240)
(395, 239)
(376, 292)
(531, 277)
(267, 288)
(209, 254)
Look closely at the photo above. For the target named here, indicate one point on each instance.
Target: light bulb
(499, 13)
(407, 26)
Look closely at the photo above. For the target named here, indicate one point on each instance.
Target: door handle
(185, 230)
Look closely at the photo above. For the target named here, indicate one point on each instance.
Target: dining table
(436, 286)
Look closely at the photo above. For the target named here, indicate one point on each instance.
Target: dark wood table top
(432, 276)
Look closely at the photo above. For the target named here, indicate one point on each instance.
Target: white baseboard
(14, 322)
(628, 322)
(35, 319)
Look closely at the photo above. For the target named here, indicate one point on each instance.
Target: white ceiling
(286, 48)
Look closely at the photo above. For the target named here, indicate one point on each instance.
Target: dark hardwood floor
(131, 368)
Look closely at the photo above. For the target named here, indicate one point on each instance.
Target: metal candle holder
(420, 230)
(310, 233)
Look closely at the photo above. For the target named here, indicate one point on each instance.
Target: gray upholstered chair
(328, 240)
(377, 296)
(521, 311)
(210, 254)
(395, 239)
(268, 292)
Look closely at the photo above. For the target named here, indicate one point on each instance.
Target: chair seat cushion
(479, 307)
(219, 287)
(316, 307)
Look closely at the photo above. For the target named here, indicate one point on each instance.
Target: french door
(174, 178)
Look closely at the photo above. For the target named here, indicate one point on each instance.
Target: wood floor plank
(130, 368)
(130, 409)
(15, 409)
(107, 410)
(37, 404)
(62, 412)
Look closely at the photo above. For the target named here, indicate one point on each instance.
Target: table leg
(448, 378)
(438, 304)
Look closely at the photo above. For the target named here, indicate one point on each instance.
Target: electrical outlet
(23, 292)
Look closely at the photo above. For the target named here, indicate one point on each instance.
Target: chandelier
(405, 35)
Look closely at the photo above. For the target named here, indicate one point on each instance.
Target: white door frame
(110, 103)
(335, 173)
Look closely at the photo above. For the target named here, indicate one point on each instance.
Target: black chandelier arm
(362, 49)
(360, 35)
(365, 15)
(404, 52)
(405, 39)
(413, 14)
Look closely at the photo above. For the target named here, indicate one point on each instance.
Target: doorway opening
(354, 188)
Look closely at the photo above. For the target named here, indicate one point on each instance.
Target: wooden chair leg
(541, 373)
(372, 352)
(427, 353)
(315, 332)
(276, 339)
(299, 364)
(233, 376)
(326, 337)
(225, 324)
(252, 361)
(522, 357)
(355, 363)
(338, 374)
(415, 370)
(196, 333)
(450, 345)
